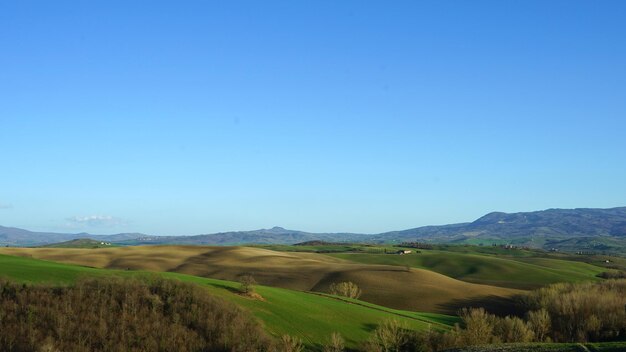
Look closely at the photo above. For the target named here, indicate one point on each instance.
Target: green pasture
(515, 272)
(312, 317)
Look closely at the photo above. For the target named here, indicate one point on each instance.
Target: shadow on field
(224, 287)
(369, 327)
(497, 305)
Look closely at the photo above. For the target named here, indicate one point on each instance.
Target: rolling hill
(80, 243)
(526, 227)
(595, 230)
(602, 230)
(12, 236)
(275, 235)
(388, 285)
(308, 316)
(514, 272)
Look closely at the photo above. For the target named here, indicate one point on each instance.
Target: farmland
(308, 316)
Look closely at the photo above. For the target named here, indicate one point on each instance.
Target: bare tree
(290, 344)
(247, 283)
(514, 329)
(346, 289)
(389, 336)
(336, 344)
(540, 324)
(479, 326)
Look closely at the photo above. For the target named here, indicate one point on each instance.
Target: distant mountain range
(275, 235)
(601, 230)
(13, 236)
(540, 224)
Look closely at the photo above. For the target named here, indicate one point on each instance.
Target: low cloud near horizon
(95, 221)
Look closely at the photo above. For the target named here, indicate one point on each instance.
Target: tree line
(154, 314)
(113, 314)
(564, 312)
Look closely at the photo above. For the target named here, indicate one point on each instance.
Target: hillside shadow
(224, 287)
(369, 327)
(500, 306)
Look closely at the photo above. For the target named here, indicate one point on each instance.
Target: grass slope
(387, 285)
(514, 272)
(81, 243)
(309, 316)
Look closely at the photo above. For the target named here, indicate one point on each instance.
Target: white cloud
(95, 221)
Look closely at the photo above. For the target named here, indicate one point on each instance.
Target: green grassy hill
(515, 271)
(81, 243)
(391, 286)
(312, 317)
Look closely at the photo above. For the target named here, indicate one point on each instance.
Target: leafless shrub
(290, 344)
(583, 311)
(336, 343)
(392, 336)
(347, 289)
(123, 315)
(513, 329)
(247, 283)
(479, 326)
(540, 323)
(613, 274)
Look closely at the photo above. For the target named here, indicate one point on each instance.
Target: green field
(312, 317)
(330, 248)
(380, 248)
(522, 272)
(81, 243)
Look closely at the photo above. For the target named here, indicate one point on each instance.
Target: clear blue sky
(186, 117)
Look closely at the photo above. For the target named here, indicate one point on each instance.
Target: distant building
(403, 251)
